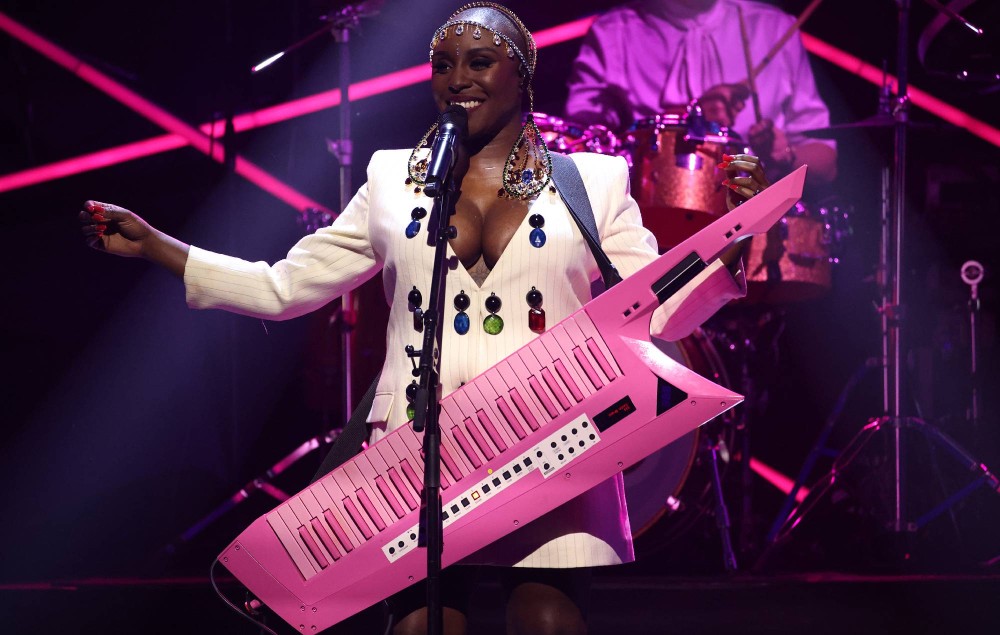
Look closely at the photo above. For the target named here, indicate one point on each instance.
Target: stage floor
(812, 603)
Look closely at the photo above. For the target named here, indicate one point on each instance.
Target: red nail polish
(98, 218)
(725, 182)
(728, 157)
(723, 165)
(101, 228)
(733, 187)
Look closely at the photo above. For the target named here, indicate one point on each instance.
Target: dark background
(127, 417)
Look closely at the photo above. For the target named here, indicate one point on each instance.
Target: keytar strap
(354, 433)
(569, 184)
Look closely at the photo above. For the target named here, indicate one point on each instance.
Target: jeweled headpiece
(507, 29)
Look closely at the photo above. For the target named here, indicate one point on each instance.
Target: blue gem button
(462, 323)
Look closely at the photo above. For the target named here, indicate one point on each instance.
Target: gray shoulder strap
(569, 184)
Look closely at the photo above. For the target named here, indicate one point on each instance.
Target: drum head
(675, 178)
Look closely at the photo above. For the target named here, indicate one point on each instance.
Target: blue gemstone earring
(414, 227)
(537, 235)
(462, 322)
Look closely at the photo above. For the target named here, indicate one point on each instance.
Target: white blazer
(370, 235)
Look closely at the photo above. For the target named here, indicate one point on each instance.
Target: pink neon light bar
(154, 113)
(401, 79)
(93, 161)
(919, 97)
(249, 121)
(779, 480)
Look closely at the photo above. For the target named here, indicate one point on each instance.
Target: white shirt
(645, 56)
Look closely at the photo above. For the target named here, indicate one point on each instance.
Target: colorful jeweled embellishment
(415, 299)
(462, 322)
(537, 236)
(493, 323)
(411, 395)
(536, 315)
(414, 227)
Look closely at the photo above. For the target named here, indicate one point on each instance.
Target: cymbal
(878, 122)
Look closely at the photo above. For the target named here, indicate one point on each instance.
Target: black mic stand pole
(427, 401)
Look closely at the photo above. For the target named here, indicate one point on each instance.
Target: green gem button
(410, 412)
(493, 324)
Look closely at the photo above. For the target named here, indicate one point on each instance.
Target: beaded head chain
(507, 29)
(529, 166)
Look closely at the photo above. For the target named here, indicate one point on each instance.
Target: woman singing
(521, 265)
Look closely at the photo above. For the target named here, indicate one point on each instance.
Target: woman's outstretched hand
(116, 230)
(742, 188)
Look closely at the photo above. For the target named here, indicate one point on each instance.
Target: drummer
(654, 56)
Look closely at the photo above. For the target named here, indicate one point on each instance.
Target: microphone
(453, 125)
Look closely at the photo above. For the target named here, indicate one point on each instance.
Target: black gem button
(536, 221)
(534, 298)
(462, 301)
(418, 213)
(493, 303)
(411, 391)
(414, 297)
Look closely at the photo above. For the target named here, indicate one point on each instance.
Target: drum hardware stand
(820, 449)
(972, 274)
(339, 24)
(713, 447)
(262, 483)
(894, 422)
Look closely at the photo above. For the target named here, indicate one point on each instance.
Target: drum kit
(672, 159)
(675, 180)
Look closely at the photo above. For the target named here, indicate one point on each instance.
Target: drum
(671, 488)
(674, 178)
(794, 260)
(567, 137)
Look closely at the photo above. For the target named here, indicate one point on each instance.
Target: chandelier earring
(528, 168)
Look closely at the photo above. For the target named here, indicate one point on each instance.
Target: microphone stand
(427, 401)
